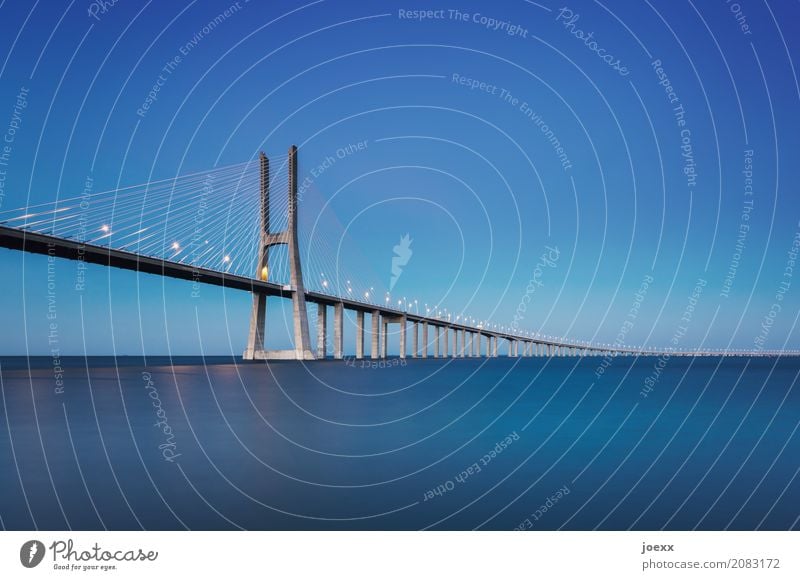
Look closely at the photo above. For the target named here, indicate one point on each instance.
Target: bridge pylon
(258, 316)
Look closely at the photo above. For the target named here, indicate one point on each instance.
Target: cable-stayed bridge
(223, 228)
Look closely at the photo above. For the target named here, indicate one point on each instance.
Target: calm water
(493, 444)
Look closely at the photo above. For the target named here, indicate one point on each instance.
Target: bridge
(117, 229)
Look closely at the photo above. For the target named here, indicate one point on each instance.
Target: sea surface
(505, 443)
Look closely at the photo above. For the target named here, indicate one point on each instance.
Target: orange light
(264, 273)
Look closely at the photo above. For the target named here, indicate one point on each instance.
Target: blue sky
(459, 115)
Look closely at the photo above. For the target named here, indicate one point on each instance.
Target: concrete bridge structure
(431, 336)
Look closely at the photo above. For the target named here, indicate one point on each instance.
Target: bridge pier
(446, 341)
(385, 338)
(338, 331)
(267, 239)
(424, 340)
(322, 331)
(403, 324)
(436, 342)
(359, 334)
(415, 340)
(376, 334)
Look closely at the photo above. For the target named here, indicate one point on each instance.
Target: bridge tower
(258, 316)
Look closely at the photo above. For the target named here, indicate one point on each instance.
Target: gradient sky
(467, 174)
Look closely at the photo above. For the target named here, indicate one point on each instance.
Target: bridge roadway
(467, 340)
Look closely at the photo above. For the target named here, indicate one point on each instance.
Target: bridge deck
(39, 243)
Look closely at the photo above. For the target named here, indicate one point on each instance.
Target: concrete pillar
(338, 330)
(463, 343)
(436, 342)
(385, 338)
(494, 346)
(403, 324)
(359, 334)
(415, 340)
(258, 313)
(455, 342)
(446, 340)
(322, 331)
(424, 340)
(302, 343)
(376, 334)
(258, 321)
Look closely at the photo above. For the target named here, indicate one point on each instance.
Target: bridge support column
(267, 239)
(258, 322)
(376, 334)
(385, 338)
(359, 334)
(338, 331)
(403, 324)
(446, 340)
(436, 342)
(424, 340)
(494, 346)
(322, 331)
(455, 342)
(415, 340)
